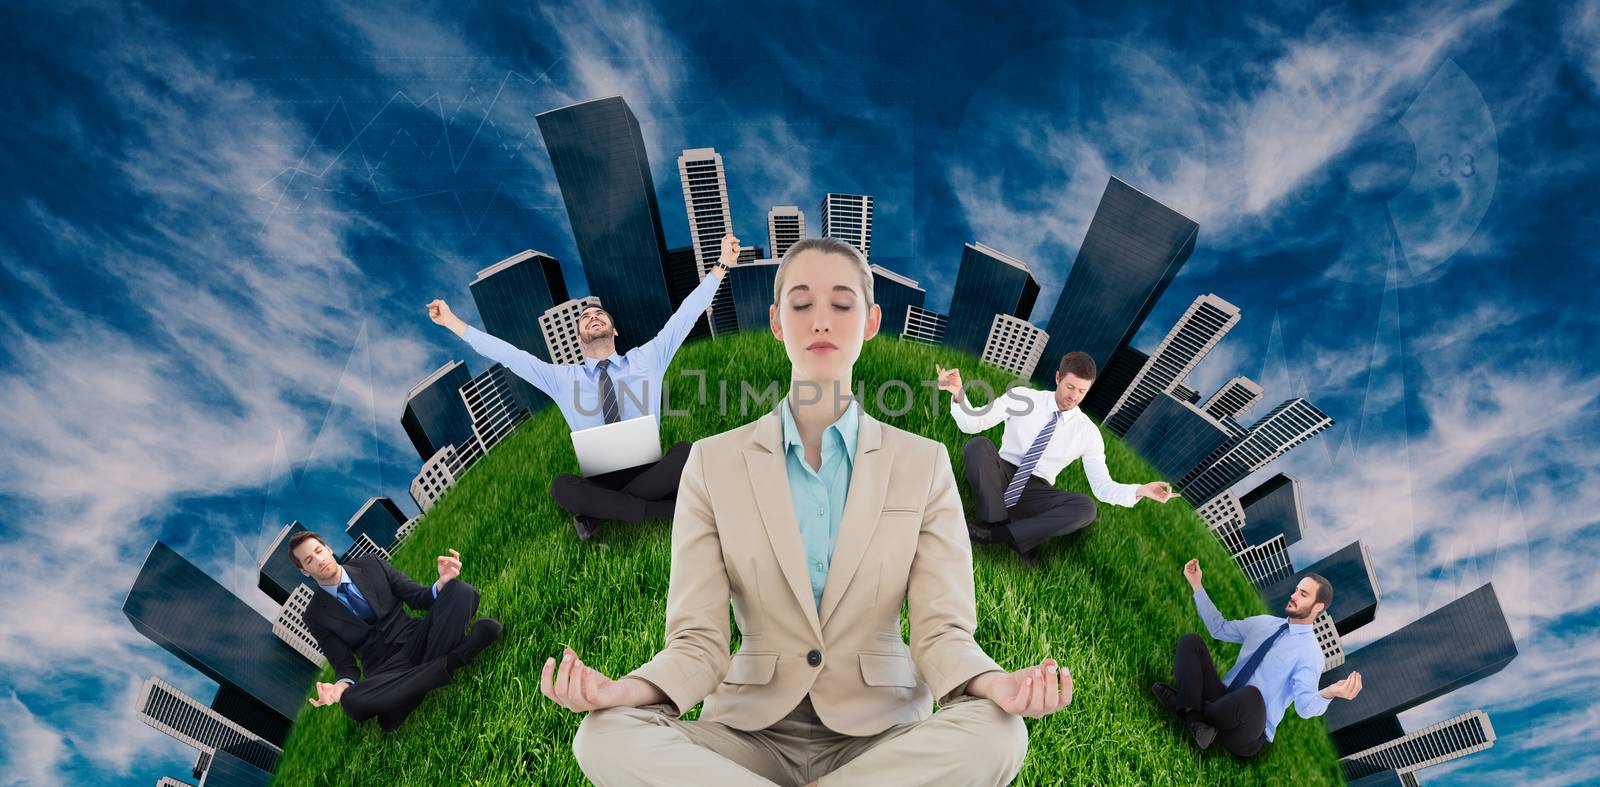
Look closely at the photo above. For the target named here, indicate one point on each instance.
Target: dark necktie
(1254, 661)
(1024, 470)
(608, 394)
(356, 604)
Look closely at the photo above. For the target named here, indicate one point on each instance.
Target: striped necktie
(1254, 661)
(608, 394)
(1024, 470)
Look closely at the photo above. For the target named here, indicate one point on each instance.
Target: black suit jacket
(342, 635)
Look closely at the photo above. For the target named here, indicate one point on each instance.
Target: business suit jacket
(734, 535)
(343, 635)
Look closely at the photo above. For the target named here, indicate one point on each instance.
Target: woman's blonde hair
(830, 246)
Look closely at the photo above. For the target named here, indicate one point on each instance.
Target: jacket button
(814, 658)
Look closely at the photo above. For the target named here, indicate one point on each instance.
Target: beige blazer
(734, 536)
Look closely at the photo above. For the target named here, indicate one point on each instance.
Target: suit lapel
(869, 481)
(769, 482)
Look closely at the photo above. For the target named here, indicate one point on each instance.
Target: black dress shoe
(587, 526)
(1167, 696)
(484, 632)
(982, 534)
(1030, 558)
(389, 722)
(1203, 733)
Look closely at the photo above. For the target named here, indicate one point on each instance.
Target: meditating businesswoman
(1016, 501)
(817, 521)
(607, 388)
(358, 613)
(1280, 663)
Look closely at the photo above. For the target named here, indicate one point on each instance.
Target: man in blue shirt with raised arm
(604, 389)
(1279, 664)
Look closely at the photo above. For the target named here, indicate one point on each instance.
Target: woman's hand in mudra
(1034, 691)
(579, 687)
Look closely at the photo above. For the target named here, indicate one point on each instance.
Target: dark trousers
(630, 494)
(396, 684)
(1041, 513)
(1240, 716)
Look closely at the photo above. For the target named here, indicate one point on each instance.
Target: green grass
(1109, 602)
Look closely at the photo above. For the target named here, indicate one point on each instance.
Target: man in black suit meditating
(359, 613)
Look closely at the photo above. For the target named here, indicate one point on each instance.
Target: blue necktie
(356, 604)
(608, 394)
(1024, 470)
(1255, 659)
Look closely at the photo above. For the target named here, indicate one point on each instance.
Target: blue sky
(222, 226)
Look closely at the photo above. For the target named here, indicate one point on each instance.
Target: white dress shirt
(1025, 411)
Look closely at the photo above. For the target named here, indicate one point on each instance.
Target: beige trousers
(968, 742)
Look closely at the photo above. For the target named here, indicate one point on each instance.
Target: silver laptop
(618, 446)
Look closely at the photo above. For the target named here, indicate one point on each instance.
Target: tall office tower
(559, 324)
(1266, 563)
(436, 477)
(511, 294)
(363, 546)
(1384, 779)
(178, 607)
(1451, 647)
(378, 519)
(752, 254)
(168, 781)
(1355, 587)
(786, 225)
(1202, 325)
(1273, 509)
(1288, 425)
(1013, 345)
(495, 412)
(435, 416)
(1328, 638)
(1225, 517)
(989, 282)
(1133, 248)
(604, 174)
(1233, 398)
(1113, 379)
(923, 326)
(705, 201)
(1173, 435)
(848, 217)
(227, 769)
(893, 293)
(750, 284)
(276, 574)
(168, 709)
(1185, 393)
(290, 626)
(1450, 739)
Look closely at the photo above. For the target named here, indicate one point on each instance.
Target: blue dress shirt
(1290, 670)
(355, 590)
(819, 494)
(636, 375)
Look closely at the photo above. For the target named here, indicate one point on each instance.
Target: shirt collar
(846, 427)
(589, 364)
(344, 579)
(1298, 628)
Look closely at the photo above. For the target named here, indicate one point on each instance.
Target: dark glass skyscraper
(1273, 509)
(1453, 646)
(1173, 435)
(435, 415)
(227, 769)
(511, 296)
(989, 282)
(682, 277)
(893, 293)
(378, 519)
(1109, 383)
(277, 575)
(180, 608)
(1355, 587)
(1133, 249)
(751, 284)
(600, 164)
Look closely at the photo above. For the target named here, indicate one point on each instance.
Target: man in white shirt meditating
(1014, 486)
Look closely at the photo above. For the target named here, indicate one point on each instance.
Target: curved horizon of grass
(1109, 602)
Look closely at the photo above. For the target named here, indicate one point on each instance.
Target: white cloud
(34, 750)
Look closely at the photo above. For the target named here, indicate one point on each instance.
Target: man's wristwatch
(722, 265)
